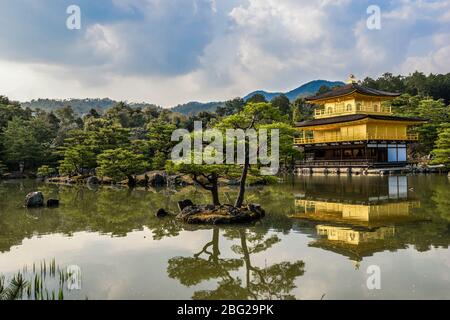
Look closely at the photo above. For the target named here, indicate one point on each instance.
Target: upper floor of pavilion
(352, 99)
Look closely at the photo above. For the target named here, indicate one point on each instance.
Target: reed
(43, 281)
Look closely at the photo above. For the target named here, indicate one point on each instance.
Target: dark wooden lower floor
(364, 155)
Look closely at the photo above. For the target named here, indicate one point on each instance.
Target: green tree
(27, 142)
(206, 176)
(435, 111)
(283, 104)
(159, 145)
(416, 84)
(391, 83)
(81, 147)
(45, 171)
(67, 117)
(119, 164)
(9, 111)
(126, 116)
(254, 116)
(77, 154)
(257, 98)
(323, 89)
(231, 107)
(442, 150)
(302, 111)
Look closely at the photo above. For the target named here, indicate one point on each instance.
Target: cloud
(173, 51)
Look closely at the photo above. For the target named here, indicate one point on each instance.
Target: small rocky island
(223, 214)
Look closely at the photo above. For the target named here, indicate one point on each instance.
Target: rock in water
(185, 203)
(52, 203)
(162, 213)
(93, 180)
(209, 214)
(34, 200)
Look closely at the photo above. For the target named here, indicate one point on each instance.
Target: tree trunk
(215, 191)
(242, 184)
(246, 254)
(131, 181)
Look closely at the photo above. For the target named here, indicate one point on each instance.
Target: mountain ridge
(83, 106)
(307, 89)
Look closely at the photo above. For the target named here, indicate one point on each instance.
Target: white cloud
(173, 51)
(434, 62)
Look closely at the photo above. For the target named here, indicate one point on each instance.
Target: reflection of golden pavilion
(350, 236)
(362, 202)
(359, 214)
(355, 217)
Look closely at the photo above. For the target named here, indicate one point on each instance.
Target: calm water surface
(319, 238)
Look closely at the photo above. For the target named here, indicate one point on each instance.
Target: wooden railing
(363, 137)
(348, 163)
(338, 111)
(336, 163)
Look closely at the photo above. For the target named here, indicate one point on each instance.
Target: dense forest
(79, 106)
(128, 139)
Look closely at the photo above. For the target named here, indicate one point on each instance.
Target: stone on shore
(224, 214)
(157, 180)
(185, 203)
(34, 200)
(161, 213)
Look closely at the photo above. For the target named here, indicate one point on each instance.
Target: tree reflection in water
(271, 282)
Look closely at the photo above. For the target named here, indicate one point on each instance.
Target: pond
(320, 240)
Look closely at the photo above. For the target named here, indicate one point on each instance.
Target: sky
(169, 52)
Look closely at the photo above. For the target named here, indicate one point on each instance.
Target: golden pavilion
(353, 127)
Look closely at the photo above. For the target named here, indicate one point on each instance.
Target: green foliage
(286, 135)
(53, 132)
(77, 153)
(253, 116)
(433, 110)
(159, 144)
(436, 86)
(193, 108)
(302, 111)
(283, 104)
(67, 116)
(257, 98)
(15, 289)
(81, 147)
(231, 107)
(158, 161)
(36, 284)
(323, 89)
(27, 141)
(119, 164)
(45, 171)
(9, 111)
(126, 116)
(442, 151)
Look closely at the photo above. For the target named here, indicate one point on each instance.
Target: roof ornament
(352, 79)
